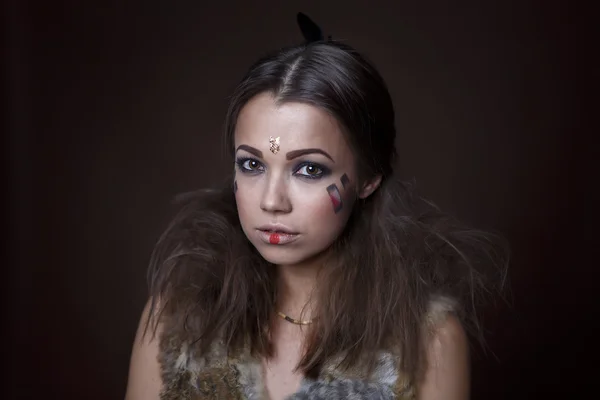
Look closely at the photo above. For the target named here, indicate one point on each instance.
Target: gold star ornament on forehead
(274, 144)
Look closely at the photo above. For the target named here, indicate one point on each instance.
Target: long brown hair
(397, 252)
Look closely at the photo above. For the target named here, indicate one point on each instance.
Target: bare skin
(280, 379)
(144, 370)
(295, 286)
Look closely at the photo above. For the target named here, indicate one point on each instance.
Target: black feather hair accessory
(310, 30)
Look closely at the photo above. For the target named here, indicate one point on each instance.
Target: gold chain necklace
(294, 321)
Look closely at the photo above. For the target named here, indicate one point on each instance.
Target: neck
(296, 284)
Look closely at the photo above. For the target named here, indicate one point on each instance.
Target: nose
(275, 198)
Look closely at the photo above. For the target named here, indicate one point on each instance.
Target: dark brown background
(114, 108)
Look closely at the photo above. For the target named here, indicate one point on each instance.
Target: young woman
(315, 273)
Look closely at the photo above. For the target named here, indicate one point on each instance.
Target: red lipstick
(276, 234)
(274, 238)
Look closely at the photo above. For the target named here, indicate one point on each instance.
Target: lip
(276, 234)
(277, 228)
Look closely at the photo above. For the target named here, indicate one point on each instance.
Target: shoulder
(444, 329)
(144, 381)
(448, 337)
(447, 374)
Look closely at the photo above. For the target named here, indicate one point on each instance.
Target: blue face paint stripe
(344, 180)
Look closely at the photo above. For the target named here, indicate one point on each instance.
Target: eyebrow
(250, 150)
(297, 153)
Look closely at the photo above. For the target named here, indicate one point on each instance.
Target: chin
(284, 255)
(281, 256)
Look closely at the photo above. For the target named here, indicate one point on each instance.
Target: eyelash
(324, 171)
(240, 164)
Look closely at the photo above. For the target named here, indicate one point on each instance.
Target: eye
(310, 170)
(249, 165)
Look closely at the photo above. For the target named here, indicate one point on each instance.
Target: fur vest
(219, 375)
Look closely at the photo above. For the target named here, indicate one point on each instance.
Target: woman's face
(295, 179)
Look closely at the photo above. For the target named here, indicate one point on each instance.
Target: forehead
(298, 125)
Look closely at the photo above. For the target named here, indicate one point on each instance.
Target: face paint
(336, 197)
(274, 144)
(274, 238)
(344, 180)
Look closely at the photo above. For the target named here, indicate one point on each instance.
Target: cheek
(246, 202)
(319, 212)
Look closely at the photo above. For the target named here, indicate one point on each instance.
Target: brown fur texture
(218, 374)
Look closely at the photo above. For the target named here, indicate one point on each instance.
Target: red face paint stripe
(336, 198)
